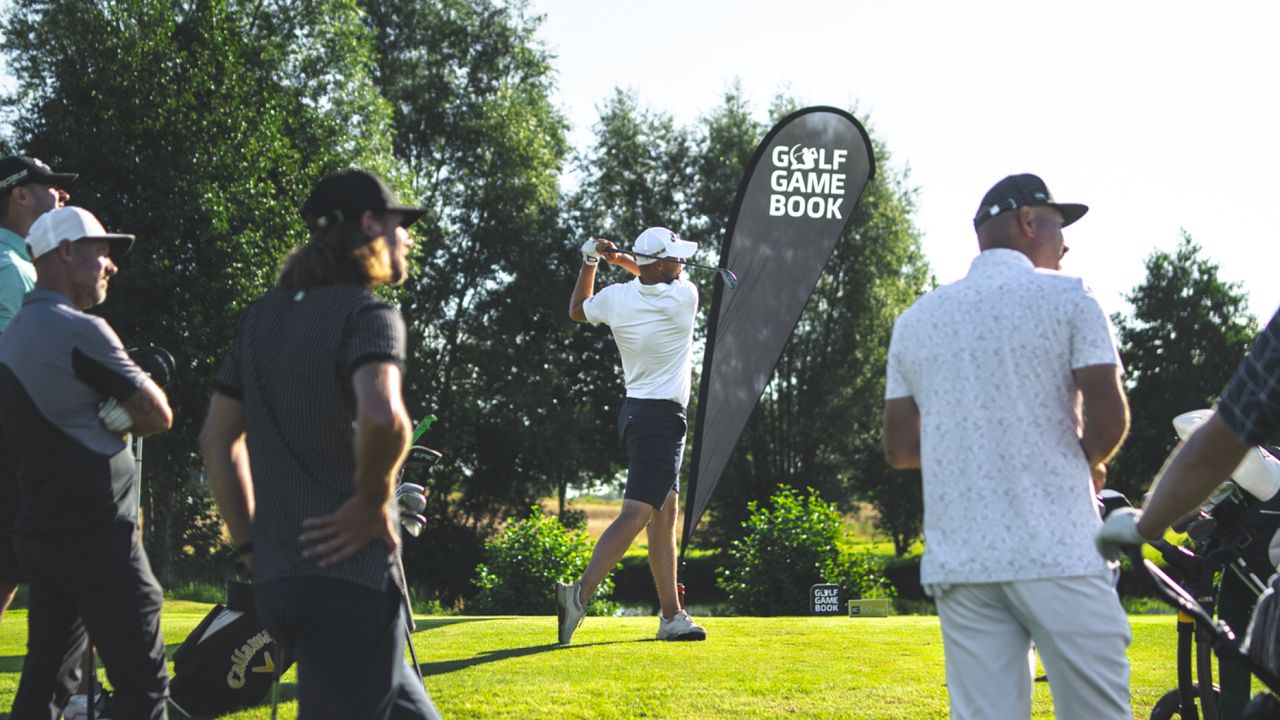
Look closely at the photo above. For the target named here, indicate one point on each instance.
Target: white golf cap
(664, 243)
(72, 223)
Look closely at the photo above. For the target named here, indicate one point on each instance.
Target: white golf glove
(114, 417)
(412, 499)
(590, 255)
(1119, 530)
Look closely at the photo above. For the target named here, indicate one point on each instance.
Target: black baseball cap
(347, 195)
(1025, 190)
(18, 170)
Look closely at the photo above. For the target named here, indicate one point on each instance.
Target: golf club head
(730, 280)
(154, 361)
(420, 457)
(413, 524)
(411, 497)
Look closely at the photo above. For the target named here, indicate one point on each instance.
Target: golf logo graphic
(807, 181)
(803, 158)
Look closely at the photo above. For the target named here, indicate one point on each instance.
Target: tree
(1188, 332)
(470, 87)
(149, 101)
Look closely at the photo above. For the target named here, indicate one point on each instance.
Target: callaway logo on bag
(228, 662)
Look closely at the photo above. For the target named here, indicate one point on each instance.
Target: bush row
(791, 543)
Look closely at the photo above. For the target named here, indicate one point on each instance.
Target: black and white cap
(18, 170)
(1025, 190)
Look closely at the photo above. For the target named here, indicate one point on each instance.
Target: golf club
(730, 280)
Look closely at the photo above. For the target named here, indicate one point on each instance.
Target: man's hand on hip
(330, 539)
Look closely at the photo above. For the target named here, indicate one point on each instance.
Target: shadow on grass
(13, 663)
(432, 623)
(447, 666)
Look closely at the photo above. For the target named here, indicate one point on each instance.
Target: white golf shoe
(680, 627)
(570, 611)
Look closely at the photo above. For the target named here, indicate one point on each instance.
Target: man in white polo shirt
(1004, 388)
(652, 322)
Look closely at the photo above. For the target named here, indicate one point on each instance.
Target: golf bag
(228, 662)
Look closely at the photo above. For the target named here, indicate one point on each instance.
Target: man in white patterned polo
(1005, 389)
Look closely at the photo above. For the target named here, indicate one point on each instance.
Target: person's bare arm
(148, 406)
(1190, 475)
(226, 465)
(902, 433)
(582, 291)
(1106, 416)
(382, 438)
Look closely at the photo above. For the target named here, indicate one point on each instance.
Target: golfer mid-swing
(652, 322)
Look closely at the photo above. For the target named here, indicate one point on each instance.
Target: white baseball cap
(74, 224)
(664, 243)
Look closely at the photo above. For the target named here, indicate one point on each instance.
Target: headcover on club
(154, 361)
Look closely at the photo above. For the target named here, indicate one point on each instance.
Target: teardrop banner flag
(795, 201)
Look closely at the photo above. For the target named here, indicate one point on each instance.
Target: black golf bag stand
(1218, 636)
(1231, 534)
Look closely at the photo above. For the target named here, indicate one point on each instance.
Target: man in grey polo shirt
(68, 394)
(305, 435)
(1004, 388)
(28, 189)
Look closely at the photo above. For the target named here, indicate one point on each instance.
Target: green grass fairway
(510, 667)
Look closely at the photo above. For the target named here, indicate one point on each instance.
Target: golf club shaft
(730, 279)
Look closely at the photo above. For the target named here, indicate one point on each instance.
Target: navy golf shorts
(652, 434)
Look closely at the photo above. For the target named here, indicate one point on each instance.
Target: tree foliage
(200, 125)
(791, 543)
(524, 561)
(471, 91)
(1188, 332)
(149, 100)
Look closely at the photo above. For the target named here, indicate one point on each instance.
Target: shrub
(523, 563)
(796, 542)
(574, 519)
(861, 574)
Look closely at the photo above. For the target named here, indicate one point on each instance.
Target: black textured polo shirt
(291, 364)
(1250, 406)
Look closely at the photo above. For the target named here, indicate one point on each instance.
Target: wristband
(245, 548)
(589, 260)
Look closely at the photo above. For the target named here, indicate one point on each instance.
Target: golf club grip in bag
(228, 662)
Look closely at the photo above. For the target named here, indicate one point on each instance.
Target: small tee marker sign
(824, 599)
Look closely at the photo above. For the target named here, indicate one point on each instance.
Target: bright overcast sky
(1158, 115)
